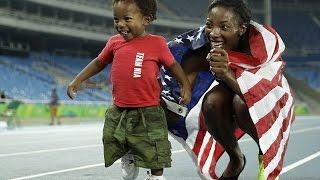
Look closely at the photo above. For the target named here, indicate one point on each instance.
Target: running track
(75, 152)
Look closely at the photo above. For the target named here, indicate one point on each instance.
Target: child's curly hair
(147, 7)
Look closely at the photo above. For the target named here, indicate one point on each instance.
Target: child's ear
(147, 20)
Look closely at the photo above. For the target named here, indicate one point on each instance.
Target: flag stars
(168, 77)
(164, 83)
(178, 40)
(199, 32)
(166, 92)
(190, 38)
(201, 29)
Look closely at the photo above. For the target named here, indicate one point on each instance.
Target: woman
(251, 95)
(235, 69)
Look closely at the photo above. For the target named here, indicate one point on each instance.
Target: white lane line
(50, 150)
(75, 169)
(293, 132)
(300, 162)
(96, 145)
(48, 141)
(98, 137)
(284, 170)
(57, 172)
(305, 130)
(46, 131)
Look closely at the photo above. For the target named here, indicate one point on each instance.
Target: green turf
(38, 114)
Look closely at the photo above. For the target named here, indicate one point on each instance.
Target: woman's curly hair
(238, 7)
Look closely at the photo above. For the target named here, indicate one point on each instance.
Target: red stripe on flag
(237, 72)
(274, 174)
(261, 89)
(242, 58)
(267, 121)
(273, 149)
(218, 151)
(200, 136)
(205, 154)
(257, 43)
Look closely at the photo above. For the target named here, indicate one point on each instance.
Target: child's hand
(72, 90)
(185, 95)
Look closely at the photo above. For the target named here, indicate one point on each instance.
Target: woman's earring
(241, 32)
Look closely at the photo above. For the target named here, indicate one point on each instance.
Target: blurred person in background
(3, 123)
(136, 121)
(54, 105)
(2, 97)
(10, 114)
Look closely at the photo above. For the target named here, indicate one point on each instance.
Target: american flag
(265, 90)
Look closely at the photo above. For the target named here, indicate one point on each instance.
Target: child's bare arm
(94, 67)
(177, 72)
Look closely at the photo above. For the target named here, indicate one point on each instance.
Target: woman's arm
(219, 63)
(232, 83)
(193, 63)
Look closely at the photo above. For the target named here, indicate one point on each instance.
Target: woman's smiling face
(223, 28)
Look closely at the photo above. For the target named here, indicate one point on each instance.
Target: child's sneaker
(129, 171)
(153, 177)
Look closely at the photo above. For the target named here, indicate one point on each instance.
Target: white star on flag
(168, 77)
(199, 32)
(163, 83)
(190, 38)
(178, 40)
(165, 91)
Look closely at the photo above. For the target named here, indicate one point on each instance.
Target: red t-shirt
(135, 69)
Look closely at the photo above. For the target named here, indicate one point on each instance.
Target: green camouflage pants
(143, 131)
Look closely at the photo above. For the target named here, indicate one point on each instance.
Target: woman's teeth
(216, 44)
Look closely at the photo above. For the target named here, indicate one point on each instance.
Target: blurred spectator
(10, 114)
(54, 104)
(2, 97)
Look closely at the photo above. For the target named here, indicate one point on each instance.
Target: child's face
(128, 20)
(223, 29)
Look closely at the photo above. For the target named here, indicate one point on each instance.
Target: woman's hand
(219, 63)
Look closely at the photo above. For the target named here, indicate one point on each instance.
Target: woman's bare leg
(243, 119)
(217, 108)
